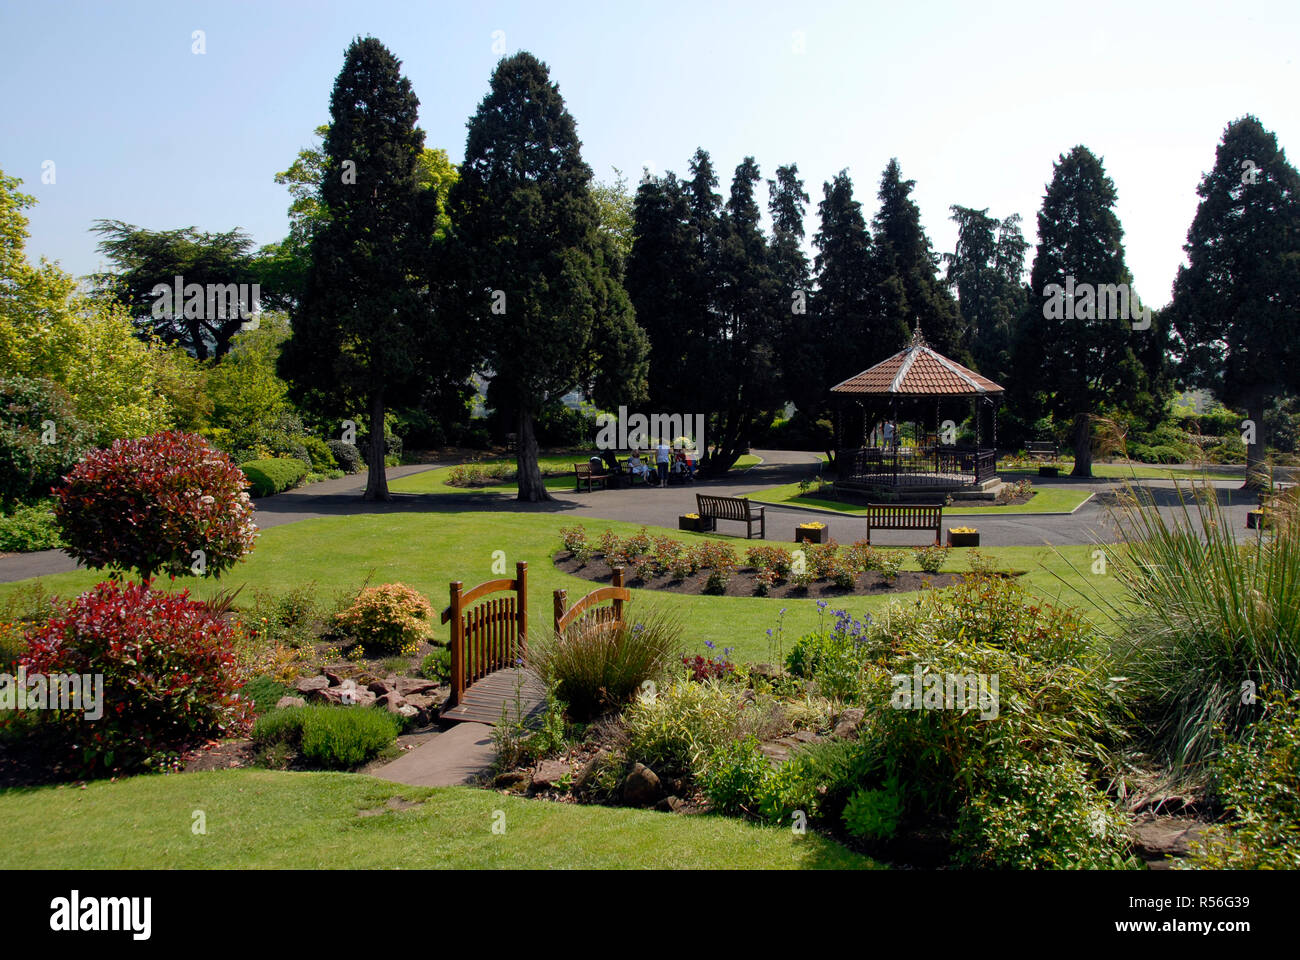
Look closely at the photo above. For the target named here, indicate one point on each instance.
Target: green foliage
(931, 559)
(874, 814)
(28, 528)
(290, 619)
(1203, 616)
(734, 775)
(318, 450)
(329, 737)
(273, 476)
(41, 438)
(436, 666)
(264, 693)
(674, 731)
(1258, 780)
(599, 665)
(1030, 815)
(346, 455)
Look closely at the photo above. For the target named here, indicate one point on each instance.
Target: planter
(812, 534)
(697, 524)
(963, 539)
(1257, 520)
(1049, 471)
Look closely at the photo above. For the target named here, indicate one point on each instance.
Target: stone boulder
(641, 788)
(409, 685)
(849, 722)
(290, 702)
(549, 773)
(311, 685)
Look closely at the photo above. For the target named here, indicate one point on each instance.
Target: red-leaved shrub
(169, 503)
(170, 677)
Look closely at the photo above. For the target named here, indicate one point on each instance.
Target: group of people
(665, 461)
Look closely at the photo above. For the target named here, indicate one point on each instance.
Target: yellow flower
(814, 525)
(963, 530)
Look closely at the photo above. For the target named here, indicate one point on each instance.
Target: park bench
(583, 473)
(733, 508)
(1042, 448)
(905, 516)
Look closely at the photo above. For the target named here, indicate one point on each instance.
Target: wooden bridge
(489, 645)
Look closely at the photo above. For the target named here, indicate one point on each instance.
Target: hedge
(274, 476)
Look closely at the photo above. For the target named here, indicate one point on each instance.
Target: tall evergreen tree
(745, 379)
(986, 271)
(542, 294)
(907, 263)
(1237, 298)
(1080, 357)
(363, 323)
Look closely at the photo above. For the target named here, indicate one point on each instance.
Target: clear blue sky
(976, 100)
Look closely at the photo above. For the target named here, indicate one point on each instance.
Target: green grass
(1045, 500)
(435, 481)
(259, 818)
(428, 550)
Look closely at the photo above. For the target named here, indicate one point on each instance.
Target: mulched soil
(742, 584)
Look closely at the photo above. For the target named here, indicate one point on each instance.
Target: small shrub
(318, 451)
(574, 538)
(764, 580)
(821, 558)
(980, 564)
(702, 668)
(734, 775)
(841, 574)
(29, 466)
(329, 737)
(437, 665)
(386, 619)
(264, 693)
(873, 814)
(29, 528)
(931, 559)
(346, 455)
(889, 563)
(599, 665)
(714, 555)
(717, 581)
(862, 557)
(149, 504)
(773, 558)
(674, 731)
(268, 477)
(169, 674)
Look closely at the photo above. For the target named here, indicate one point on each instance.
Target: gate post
(457, 644)
(521, 591)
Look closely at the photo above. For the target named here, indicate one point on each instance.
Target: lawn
(1045, 500)
(427, 550)
(435, 481)
(261, 818)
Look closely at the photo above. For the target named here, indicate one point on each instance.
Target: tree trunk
(532, 488)
(377, 480)
(1256, 469)
(1082, 446)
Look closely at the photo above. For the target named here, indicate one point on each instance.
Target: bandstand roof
(918, 371)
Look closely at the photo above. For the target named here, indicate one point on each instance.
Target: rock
(804, 736)
(421, 700)
(549, 773)
(392, 702)
(776, 752)
(409, 685)
(311, 684)
(1163, 837)
(350, 696)
(408, 711)
(584, 776)
(764, 670)
(848, 722)
(290, 702)
(334, 677)
(672, 804)
(641, 788)
(511, 780)
(381, 687)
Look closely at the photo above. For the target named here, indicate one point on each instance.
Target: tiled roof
(918, 371)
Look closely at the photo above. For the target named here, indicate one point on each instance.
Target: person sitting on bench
(637, 468)
(611, 467)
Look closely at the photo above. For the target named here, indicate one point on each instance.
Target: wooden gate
(565, 618)
(488, 637)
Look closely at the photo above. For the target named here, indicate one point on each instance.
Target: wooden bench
(582, 474)
(1043, 448)
(733, 508)
(905, 516)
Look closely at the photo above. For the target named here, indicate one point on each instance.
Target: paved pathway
(457, 756)
(662, 506)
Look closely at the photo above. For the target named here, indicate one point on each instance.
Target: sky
(976, 100)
